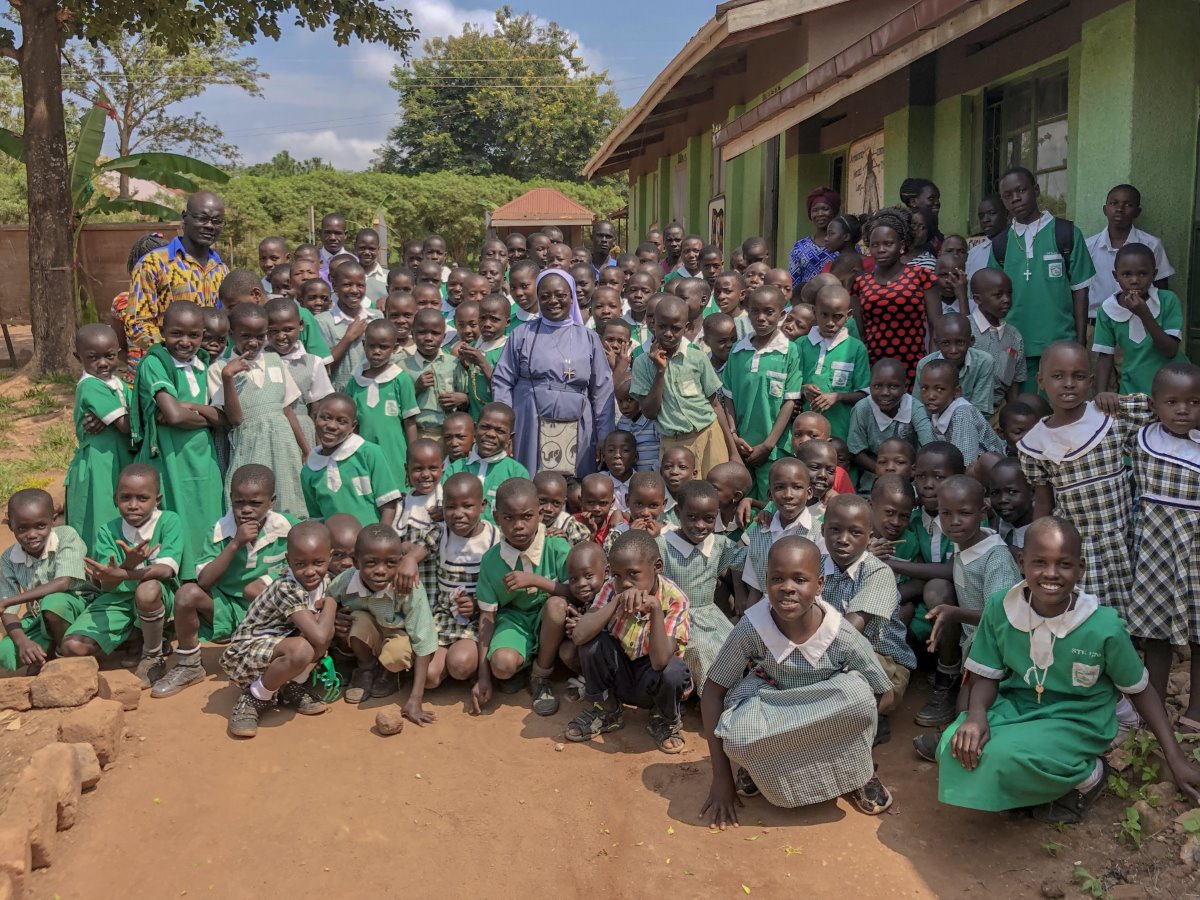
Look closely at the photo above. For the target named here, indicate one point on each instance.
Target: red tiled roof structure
(542, 206)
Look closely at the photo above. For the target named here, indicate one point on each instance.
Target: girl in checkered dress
(455, 547)
(1166, 587)
(791, 703)
(1074, 458)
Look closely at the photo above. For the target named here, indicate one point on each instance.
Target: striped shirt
(649, 442)
(634, 631)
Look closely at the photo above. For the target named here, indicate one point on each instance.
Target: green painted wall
(662, 212)
(908, 137)
(952, 161)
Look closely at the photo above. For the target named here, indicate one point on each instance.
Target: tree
(519, 101)
(141, 81)
(46, 25)
(283, 164)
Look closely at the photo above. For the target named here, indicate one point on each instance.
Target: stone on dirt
(58, 764)
(99, 723)
(89, 765)
(16, 858)
(14, 693)
(67, 681)
(122, 685)
(32, 806)
(389, 721)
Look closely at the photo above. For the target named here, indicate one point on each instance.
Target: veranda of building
(772, 98)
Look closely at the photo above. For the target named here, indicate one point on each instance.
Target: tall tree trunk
(51, 288)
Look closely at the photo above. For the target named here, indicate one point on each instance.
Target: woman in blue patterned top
(809, 255)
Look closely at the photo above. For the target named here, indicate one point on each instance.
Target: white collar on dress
(777, 344)
(389, 374)
(489, 346)
(474, 459)
(114, 384)
(780, 646)
(21, 558)
(978, 549)
(329, 462)
(826, 344)
(1042, 631)
(1182, 451)
(941, 422)
(274, 527)
(144, 532)
(532, 554)
(414, 509)
(298, 351)
(526, 316)
(1137, 329)
(193, 363)
(984, 326)
(832, 568)
(1058, 444)
(903, 414)
(686, 548)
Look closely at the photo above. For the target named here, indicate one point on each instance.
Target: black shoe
(942, 708)
(513, 685)
(544, 701)
(384, 684)
(744, 784)
(926, 745)
(243, 721)
(883, 732)
(296, 696)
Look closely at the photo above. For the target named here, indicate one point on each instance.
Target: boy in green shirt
(521, 595)
(384, 395)
(139, 591)
(489, 461)
(344, 473)
(480, 359)
(1049, 278)
(43, 571)
(391, 630)
(441, 383)
(343, 325)
(762, 379)
(976, 368)
(247, 552)
(833, 364)
(1144, 321)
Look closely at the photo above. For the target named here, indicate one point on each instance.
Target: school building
(772, 98)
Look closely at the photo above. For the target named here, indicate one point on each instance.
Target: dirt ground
(497, 806)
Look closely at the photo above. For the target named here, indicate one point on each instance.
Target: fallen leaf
(746, 889)
(754, 837)
(792, 851)
(668, 860)
(157, 800)
(14, 725)
(670, 830)
(640, 844)
(605, 831)
(603, 852)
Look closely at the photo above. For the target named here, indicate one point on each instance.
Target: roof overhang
(518, 222)
(918, 31)
(731, 21)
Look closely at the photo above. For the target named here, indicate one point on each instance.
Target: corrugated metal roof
(544, 205)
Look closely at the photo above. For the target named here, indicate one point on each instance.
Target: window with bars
(1025, 124)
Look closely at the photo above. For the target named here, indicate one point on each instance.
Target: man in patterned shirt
(186, 269)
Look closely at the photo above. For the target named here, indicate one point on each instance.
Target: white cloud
(432, 18)
(343, 151)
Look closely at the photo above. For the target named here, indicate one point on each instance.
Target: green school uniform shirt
(448, 376)
(333, 324)
(926, 527)
(870, 426)
(91, 478)
(691, 383)
(1042, 281)
(61, 558)
(384, 403)
(546, 556)
(356, 478)
(1118, 327)
(835, 366)
(264, 560)
(759, 382)
(164, 529)
(310, 336)
(479, 388)
(186, 459)
(518, 317)
(409, 612)
(492, 471)
(976, 378)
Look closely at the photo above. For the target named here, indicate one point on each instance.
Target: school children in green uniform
(479, 382)
(172, 380)
(43, 571)
(311, 338)
(1119, 327)
(101, 398)
(834, 366)
(447, 375)
(355, 478)
(387, 411)
(489, 460)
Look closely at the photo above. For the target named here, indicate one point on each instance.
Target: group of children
(318, 476)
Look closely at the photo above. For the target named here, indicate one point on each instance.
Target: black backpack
(1064, 238)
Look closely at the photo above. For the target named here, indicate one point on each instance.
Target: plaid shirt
(159, 279)
(634, 633)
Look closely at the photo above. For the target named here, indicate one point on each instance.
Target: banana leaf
(12, 144)
(145, 207)
(151, 166)
(87, 150)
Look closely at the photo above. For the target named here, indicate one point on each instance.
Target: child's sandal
(593, 722)
(872, 798)
(360, 684)
(666, 735)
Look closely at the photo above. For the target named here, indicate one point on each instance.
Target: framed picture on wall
(864, 175)
(716, 221)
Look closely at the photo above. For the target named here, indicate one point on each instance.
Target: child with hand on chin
(287, 629)
(1046, 668)
(792, 701)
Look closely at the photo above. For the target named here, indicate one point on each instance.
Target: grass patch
(56, 446)
(62, 378)
(51, 454)
(39, 402)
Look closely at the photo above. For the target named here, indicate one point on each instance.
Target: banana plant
(88, 199)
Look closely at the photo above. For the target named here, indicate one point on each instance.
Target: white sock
(303, 676)
(1092, 780)
(1126, 714)
(259, 692)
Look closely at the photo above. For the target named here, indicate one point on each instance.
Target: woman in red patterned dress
(896, 303)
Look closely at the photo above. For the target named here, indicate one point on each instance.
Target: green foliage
(519, 101)
(1052, 848)
(1131, 827)
(283, 164)
(1089, 883)
(451, 205)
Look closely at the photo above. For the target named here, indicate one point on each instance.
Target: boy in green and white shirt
(346, 474)
(489, 461)
(834, 365)
(43, 571)
(762, 379)
(481, 359)
(976, 368)
(440, 382)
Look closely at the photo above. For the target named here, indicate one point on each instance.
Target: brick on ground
(14, 693)
(89, 765)
(59, 765)
(122, 685)
(99, 723)
(16, 858)
(32, 806)
(67, 681)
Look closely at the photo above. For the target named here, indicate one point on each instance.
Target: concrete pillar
(953, 154)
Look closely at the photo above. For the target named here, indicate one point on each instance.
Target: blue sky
(334, 102)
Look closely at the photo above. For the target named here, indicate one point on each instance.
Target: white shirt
(1104, 257)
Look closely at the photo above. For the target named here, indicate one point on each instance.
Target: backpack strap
(1000, 246)
(1064, 240)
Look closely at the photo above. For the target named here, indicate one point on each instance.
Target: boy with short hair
(479, 360)
(344, 325)
(833, 364)
(1122, 207)
(644, 431)
(976, 370)
(44, 572)
(489, 460)
(992, 290)
(441, 383)
(366, 248)
(951, 416)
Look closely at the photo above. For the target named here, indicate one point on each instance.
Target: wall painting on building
(864, 193)
(716, 221)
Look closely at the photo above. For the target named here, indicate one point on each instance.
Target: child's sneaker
(243, 720)
(296, 696)
(872, 798)
(181, 676)
(544, 701)
(360, 684)
(926, 745)
(150, 669)
(942, 708)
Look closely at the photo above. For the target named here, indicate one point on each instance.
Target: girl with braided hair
(895, 303)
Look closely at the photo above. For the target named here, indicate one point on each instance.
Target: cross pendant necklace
(568, 370)
(1027, 272)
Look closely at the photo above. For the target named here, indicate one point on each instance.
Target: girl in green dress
(102, 404)
(171, 423)
(1046, 667)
